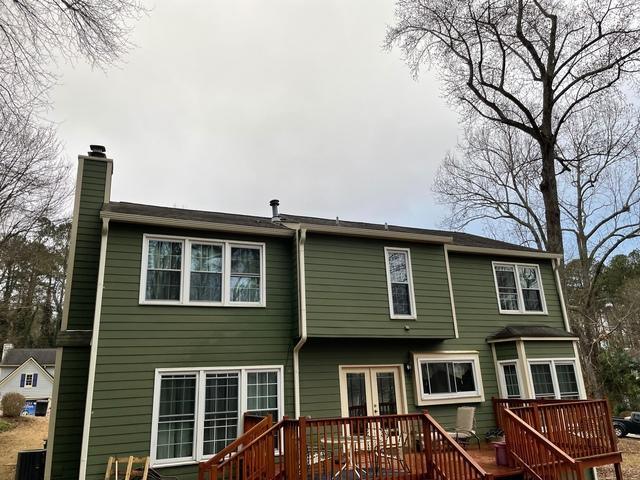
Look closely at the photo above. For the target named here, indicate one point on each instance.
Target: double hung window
(519, 288)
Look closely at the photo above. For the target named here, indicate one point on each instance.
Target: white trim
(552, 362)
(195, 224)
(521, 308)
(446, 398)
(412, 296)
(534, 339)
(185, 271)
(398, 370)
(581, 386)
(52, 416)
(94, 351)
(198, 434)
(503, 251)
(502, 381)
(563, 308)
(451, 296)
(302, 303)
(524, 370)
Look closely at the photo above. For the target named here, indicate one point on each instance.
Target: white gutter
(563, 307)
(503, 251)
(374, 233)
(302, 301)
(94, 351)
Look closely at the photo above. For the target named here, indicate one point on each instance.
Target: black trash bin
(30, 465)
(41, 408)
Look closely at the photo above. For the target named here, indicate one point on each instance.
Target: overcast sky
(225, 104)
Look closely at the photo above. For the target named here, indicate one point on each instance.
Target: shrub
(12, 404)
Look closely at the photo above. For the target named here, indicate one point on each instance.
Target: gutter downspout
(94, 351)
(302, 302)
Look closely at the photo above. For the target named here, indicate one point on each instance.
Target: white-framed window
(197, 412)
(510, 379)
(202, 272)
(402, 304)
(448, 377)
(556, 378)
(519, 288)
(28, 380)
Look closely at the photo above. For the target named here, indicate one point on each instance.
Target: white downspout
(555, 263)
(302, 301)
(84, 450)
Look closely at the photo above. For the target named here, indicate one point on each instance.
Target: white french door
(368, 391)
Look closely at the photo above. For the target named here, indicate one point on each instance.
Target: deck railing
(412, 446)
(538, 456)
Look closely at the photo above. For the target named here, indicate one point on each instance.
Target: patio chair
(465, 429)
(388, 444)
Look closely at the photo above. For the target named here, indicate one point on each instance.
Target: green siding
(549, 349)
(72, 389)
(73, 370)
(506, 351)
(87, 250)
(346, 287)
(136, 339)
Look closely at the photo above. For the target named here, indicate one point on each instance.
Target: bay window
(199, 412)
(519, 288)
(188, 271)
(554, 379)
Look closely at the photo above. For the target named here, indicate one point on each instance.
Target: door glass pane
(511, 380)
(387, 404)
(221, 413)
(176, 416)
(567, 381)
(356, 394)
(542, 380)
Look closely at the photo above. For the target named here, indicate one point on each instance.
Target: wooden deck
(486, 458)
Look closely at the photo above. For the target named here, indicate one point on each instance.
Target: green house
(178, 322)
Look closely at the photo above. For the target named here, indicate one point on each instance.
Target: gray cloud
(226, 104)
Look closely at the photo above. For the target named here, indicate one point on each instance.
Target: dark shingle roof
(463, 239)
(530, 331)
(17, 356)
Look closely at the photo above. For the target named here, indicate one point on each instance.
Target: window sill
(450, 400)
(202, 304)
(178, 463)
(403, 317)
(521, 312)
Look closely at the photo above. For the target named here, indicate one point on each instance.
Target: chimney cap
(98, 151)
(274, 203)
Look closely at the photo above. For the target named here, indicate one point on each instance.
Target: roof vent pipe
(275, 216)
(97, 151)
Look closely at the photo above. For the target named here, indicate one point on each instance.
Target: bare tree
(527, 64)
(493, 179)
(33, 177)
(33, 33)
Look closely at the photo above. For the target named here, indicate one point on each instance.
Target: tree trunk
(549, 189)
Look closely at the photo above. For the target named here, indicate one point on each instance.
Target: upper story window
(400, 283)
(519, 288)
(189, 271)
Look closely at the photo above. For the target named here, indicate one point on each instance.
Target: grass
(6, 426)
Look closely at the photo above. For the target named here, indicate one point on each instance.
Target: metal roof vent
(97, 151)
(275, 215)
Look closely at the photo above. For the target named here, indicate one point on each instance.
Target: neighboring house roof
(131, 211)
(17, 356)
(17, 371)
(513, 332)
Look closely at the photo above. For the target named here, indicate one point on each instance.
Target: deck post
(536, 417)
(302, 441)
(427, 447)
